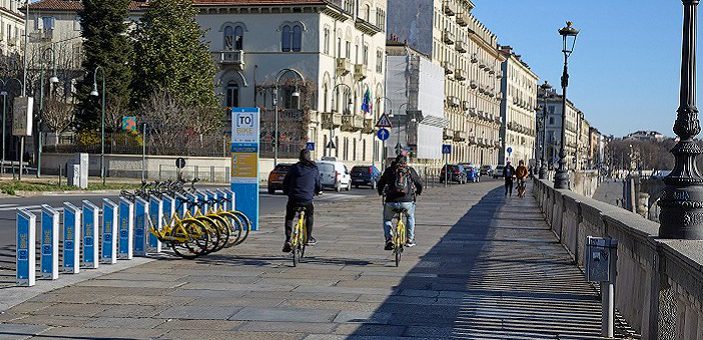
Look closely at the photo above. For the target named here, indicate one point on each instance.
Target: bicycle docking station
(91, 246)
(49, 243)
(71, 238)
(109, 237)
(601, 260)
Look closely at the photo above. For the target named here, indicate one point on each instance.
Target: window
(47, 23)
(291, 39)
(348, 51)
(366, 55)
(326, 42)
(346, 148)
(354, 149)
(363, 149)
(232, 94)
(324, 99)
(77, 23)
(367, 13)
(339, 47)
(551, 120)
(345, 102)
(291, 102)
(234, 37)
(379, 61)
(381, 19)
(336, 146)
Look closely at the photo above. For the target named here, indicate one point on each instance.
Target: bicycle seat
(400, 210)
(299, 209)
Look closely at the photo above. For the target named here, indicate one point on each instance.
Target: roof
(76, 5)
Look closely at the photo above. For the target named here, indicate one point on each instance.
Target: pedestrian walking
(508, 174)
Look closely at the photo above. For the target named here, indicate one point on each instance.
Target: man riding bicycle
(301, 184)
(401, 184)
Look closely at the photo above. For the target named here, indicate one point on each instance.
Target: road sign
(180, 163)
(330, 145)
(510, 150)
(310, 146)
(446, 149)
(384, 122)
(22, 116)
(383, 134)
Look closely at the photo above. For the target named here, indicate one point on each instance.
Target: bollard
(126, 218)
(109, 237)
(156, 214)
(71, 238)
(141, 213)
(91, 247)
(26, 251)
(49, 243)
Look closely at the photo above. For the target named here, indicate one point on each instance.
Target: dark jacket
(388, 178)
(512, 172)
(302, 182)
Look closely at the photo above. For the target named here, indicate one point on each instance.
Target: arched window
(297, 38)
(286, 39)
(229, 38)
(324, 99)
(232, 94)
(238, 38)
(291, 38)
(367, 13)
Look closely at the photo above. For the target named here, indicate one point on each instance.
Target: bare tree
(57, 116)
(168, 123)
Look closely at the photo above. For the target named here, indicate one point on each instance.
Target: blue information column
(49, 243)
(26, 252)
(141, 214)
(91, 246)
(245, 162)
(71, 238)
(126, 218)
(156, 214)
(110, 232)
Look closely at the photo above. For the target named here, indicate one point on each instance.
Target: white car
(334, 175)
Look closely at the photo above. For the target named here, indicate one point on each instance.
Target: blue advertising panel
(245, 162)
(49, 243)
(192, 203)
(181, 203)
(141, 213)
(168, 209)
(126, 218)
(26, 252)
(110, 233)
(91, 247)
(156, 215)
(71, 238)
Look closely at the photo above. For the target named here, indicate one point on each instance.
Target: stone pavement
(485, 267)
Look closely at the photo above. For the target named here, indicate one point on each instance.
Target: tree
(168, 123)
(170, 54)
(57, 116)
(104, 28)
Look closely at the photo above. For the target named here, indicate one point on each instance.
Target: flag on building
(366, 105)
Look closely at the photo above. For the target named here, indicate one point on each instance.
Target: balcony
(368, 126)
(366, 27)
(459, 74)
(331, 120)
(465, 105)
(473, 85)
(461, 46)
(448, 67)
(462, 19)
(359, 72)
(448, 37)
(472, 140)
(230, 58)
(449, 8)
(448, 133)
(352, 122)
(343, 66)
(474, 58)
(460, 136)
(472, 112)
(453, 101)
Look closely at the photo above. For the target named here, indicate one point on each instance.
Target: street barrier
(49, 243)
(91, 247)
(126, 217)
(26, 252)
(109, 237)
(71, 238)
(156, 213)
(141, 213)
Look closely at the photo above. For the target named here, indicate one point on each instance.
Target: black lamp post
(569, 33)
(682, 201)
(543, 168)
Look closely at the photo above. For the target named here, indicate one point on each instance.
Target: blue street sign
(156, 214)
(49, 243)
(141, 212)
(510, 150)
(71, 238)
(90, 235)
(446, 149)
(126, 217)
(383, 134)
(245, 162)
(310, 146)
(26, 238)
(110, 233)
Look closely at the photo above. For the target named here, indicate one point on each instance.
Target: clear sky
(626, 64)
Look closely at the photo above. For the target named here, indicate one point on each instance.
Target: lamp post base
(681, 203)
(561, 179)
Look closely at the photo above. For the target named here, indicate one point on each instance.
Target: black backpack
(402, 181)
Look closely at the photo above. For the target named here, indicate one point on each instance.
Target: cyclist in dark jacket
(301, 184)
(395, 200)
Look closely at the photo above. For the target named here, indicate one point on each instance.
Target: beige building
(554, 129)
(584, 143)
(449, 34)
(11, 27)
(519, 86)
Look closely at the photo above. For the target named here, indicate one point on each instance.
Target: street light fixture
(569, 34)
(543, 164)
(276, 101)
(95, 93)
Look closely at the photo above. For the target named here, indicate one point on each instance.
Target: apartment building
(584, 143)
(519, 86)
(553, 128)
(448, 33)
(11, 27)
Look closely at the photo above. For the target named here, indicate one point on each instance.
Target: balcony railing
(233, 58)
(462, 19)
(448, 37)
(352, 122)
(461, 46)
(460, 74)
(460, 136)
(448, 67)
(448, 8)
(368, 126)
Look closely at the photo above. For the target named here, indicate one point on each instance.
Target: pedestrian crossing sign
(384, 122)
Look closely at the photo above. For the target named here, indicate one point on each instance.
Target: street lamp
(52, 80)
(4, 115)
(275, 104)
(330, 145)
(95, 93)
(543, 166)
(568, 33)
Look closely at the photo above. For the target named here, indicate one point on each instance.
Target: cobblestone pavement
(485, 267)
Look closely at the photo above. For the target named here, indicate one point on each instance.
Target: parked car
(471, 171)
(334, 175)
(487, 170)
(365, 175)
(454, 173)
(498, 172)
(660, 174)
(276, 177)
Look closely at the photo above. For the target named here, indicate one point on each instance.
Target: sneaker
(410, 243)
(287, 247)
(389, 245)
(311, 241)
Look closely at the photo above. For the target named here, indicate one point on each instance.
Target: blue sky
(625, 67)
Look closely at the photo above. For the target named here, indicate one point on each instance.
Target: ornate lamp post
(682, 201)
(543, 168)
(568, 33)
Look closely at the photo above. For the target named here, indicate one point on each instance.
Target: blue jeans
(388, 218)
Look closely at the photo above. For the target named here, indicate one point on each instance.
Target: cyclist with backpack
(401, 184)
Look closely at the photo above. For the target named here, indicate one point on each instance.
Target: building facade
(11, 27)
(519, 87)
(646, 136)
(448, 33)
(553, 128)
(584, 143)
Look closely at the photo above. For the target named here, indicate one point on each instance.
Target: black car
(454, 173)
(365, 175)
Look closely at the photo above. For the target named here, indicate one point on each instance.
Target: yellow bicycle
(399, 235)
(188, 237)
(299, 237)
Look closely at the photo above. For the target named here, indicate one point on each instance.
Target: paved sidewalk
(485, 267)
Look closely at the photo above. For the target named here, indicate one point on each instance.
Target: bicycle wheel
(223, 229)
(303, 241)
(198, 237)
(399, 241)
(235, 225)
(212, 229)
(246, 225)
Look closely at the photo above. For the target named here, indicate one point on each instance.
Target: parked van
(334, 174)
